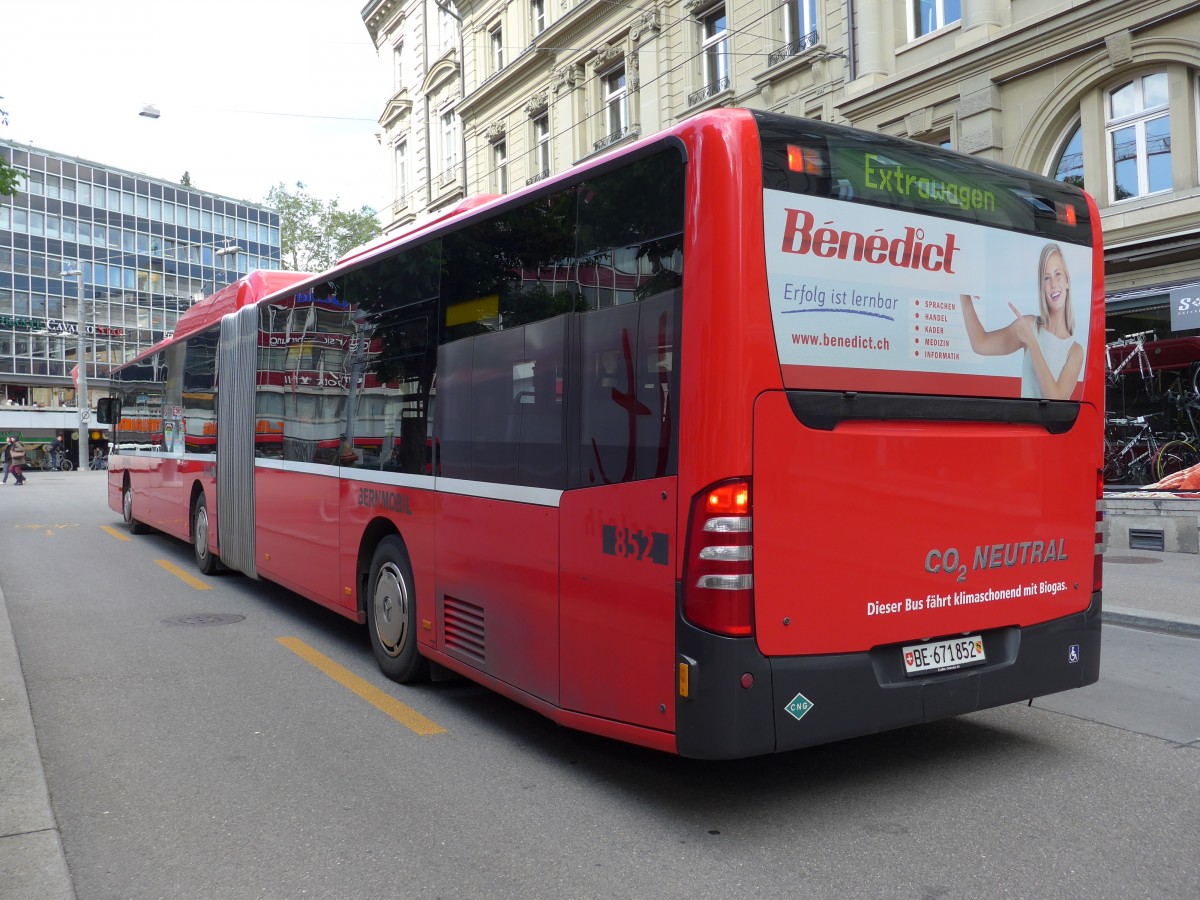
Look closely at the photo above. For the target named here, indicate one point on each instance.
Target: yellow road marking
(406, 716)
(114, 532)
(49, 528)
(184, 576)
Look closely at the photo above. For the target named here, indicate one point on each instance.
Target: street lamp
(81, 355)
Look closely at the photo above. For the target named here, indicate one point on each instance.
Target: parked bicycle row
(1153, 408)
(1135, 453)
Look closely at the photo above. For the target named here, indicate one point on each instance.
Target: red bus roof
(246, 290)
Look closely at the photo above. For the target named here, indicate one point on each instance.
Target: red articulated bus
(758, 433)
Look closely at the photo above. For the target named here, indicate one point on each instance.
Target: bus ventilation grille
(1147, 539)
(464, 628)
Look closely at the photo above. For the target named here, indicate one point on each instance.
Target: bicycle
(1174, 456)
(1114, 368)
(39, 458)
(1184, 395)
(1130, 459)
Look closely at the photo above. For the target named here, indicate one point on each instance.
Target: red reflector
(747, 680)
(1065, 213)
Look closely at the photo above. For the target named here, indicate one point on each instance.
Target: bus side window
(609, 406)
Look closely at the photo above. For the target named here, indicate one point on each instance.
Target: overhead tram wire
(667, 71)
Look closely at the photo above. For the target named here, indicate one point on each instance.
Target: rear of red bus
(894, 517)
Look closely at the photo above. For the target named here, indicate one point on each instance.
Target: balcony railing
(790, 50)
(449, 176)
(709, 90)
(545, 173)
(610, 139)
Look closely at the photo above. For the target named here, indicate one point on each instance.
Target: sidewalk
(1142, 588)
(32, 864)
(1152, 589)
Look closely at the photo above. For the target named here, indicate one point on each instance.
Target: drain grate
(204, 619)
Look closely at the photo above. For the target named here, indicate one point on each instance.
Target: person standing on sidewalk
(16, 454)
(7, 459)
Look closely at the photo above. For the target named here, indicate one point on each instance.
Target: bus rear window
(823, 160)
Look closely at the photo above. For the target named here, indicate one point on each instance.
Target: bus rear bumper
(799, 702)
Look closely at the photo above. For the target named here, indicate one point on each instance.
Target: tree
(186, 180)
(8, 175)
(314, 233)
(8, 179)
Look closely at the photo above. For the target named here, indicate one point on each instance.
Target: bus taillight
(718, 577)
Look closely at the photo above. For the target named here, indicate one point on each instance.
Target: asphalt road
(191, 753)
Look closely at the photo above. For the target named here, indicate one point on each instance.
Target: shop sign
(1185, 307)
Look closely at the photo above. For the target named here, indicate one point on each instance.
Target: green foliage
(186, 180)
(8, 179)
(314, 233)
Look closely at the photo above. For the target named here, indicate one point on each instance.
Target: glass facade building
(147, 248)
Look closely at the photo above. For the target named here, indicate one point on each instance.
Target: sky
(250, 93)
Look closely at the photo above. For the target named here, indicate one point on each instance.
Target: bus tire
(206, 561)
(134, 526)
(392, 613)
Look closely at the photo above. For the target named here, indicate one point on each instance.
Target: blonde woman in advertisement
(1053, 358)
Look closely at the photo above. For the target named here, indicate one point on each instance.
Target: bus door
(168, 505)
(619, 528)
(501, 466)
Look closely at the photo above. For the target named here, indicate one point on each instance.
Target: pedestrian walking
(7, 458)
(16, 454)
(56, 450)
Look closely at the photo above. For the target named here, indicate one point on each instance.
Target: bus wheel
(392, 613)
(134, 526)
(206, 560)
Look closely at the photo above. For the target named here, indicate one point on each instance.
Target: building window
(398, 64)
(496, 43)
(500, 164)
(715, 49)
(402, 173)
(537, 16)
(1069, 167)
(449, 140)
(801, 23)
(541, 141)
(616, 104)
(929, 15)
(447, 28)
(1139, 137)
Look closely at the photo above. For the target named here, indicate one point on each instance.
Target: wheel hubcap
(201, 532)
(391, 609)
(127, 507)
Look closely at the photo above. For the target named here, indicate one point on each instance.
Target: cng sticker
(798, 707)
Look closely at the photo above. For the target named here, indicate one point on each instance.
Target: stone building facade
(1105, 93)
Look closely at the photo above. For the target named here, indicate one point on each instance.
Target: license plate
(941, 656)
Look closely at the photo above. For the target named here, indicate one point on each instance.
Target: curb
(1184, 626)
(32, 862)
